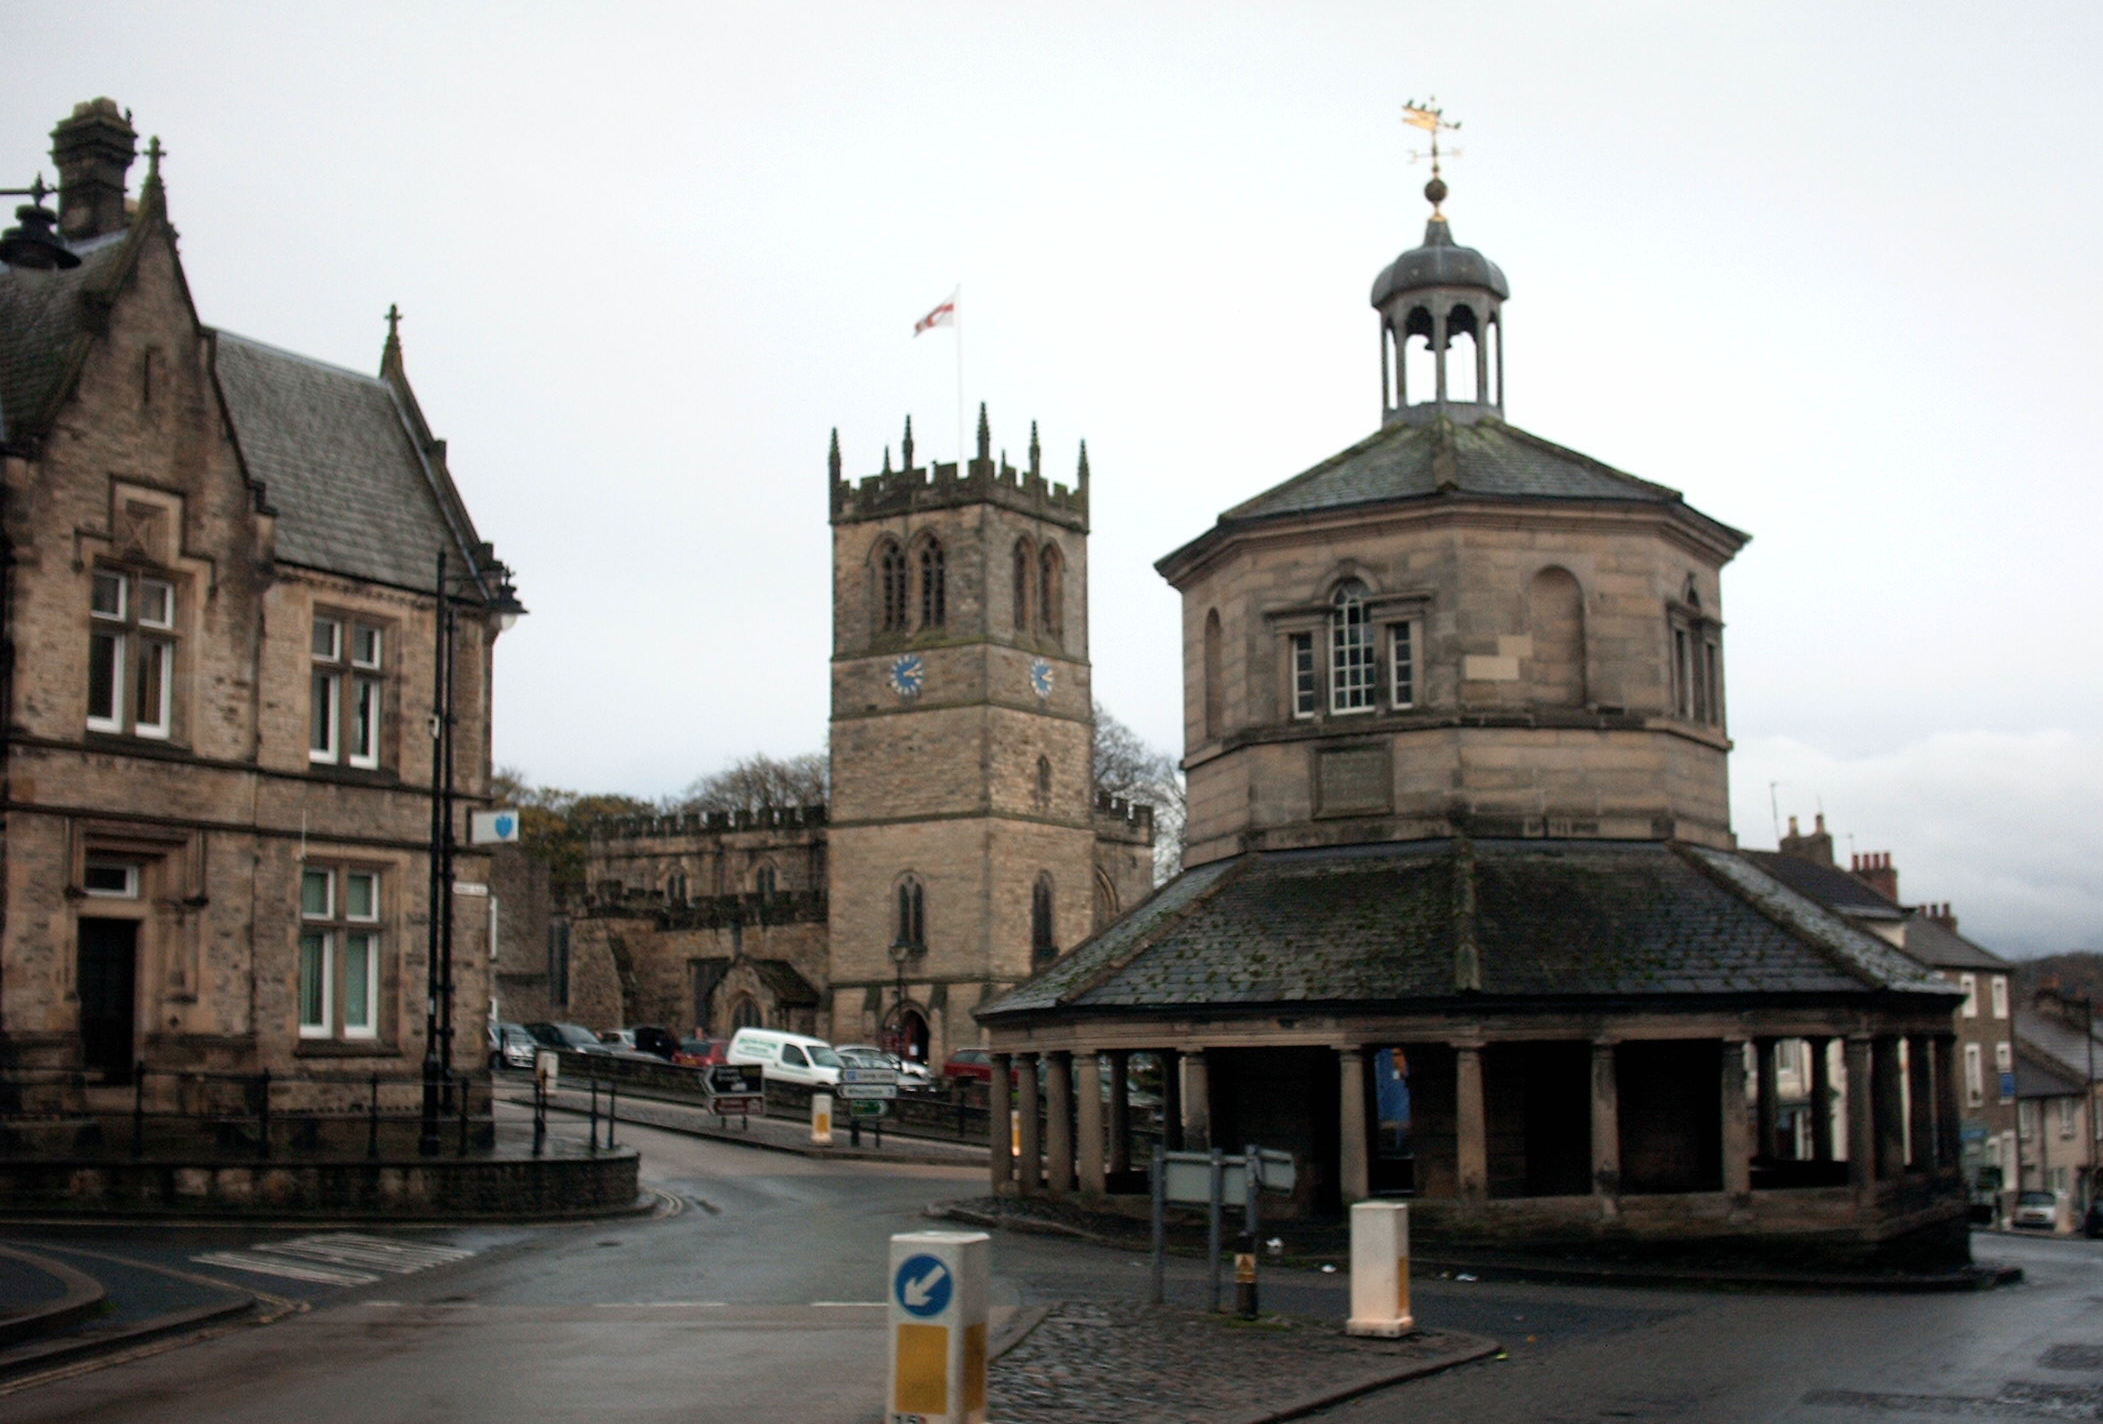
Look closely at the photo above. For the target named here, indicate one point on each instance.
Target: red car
(972, 1065)
(700, 1052)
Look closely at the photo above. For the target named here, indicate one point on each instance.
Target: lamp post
(505, 609)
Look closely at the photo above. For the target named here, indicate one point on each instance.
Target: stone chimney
(1816, 847)
(1873, 868)
(92, 152)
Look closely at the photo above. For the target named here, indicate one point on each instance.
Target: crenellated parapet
(1121, 820)
(983, 479)
(695, 823)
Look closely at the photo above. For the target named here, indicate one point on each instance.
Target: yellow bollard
(821, 1119)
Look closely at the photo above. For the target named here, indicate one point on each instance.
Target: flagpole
(956, 319)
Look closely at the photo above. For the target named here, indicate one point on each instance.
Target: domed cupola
(1441, 320)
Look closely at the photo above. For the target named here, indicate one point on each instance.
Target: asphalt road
(758, 1298)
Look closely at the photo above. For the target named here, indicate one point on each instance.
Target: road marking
(661, 1305)
(336, 1258)
(847, 1305)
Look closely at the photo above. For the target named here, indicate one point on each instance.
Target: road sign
(1189, 1176)
(737, 1078)
(922, 1285)
(492, 827)
(737, 1105)
(937, 1300)
(868, 1108)
(852, 1091)
(869, 1075)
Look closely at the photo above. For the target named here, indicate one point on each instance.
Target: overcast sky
(1828, 269)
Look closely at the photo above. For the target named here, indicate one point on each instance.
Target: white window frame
(2066, 1118)
(1974, 1075)
(140, 673)
(332, 931)
(1306, 677)
(1404, 648)
(1354, 657)
(2000, 996)
(2004, 1064)
(345, 718)
(128, 869)
(1969, 983)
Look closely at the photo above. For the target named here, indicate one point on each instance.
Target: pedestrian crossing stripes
(337, 1258)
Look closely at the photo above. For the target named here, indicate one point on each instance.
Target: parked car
(971, 1065)
(617, 1037)
(650, 1039)
(790, 1057)
(510, 1046)
(2092, 1221)
(701, 1052)
(575, 1038)
(911, 1076)
(2038, 1210)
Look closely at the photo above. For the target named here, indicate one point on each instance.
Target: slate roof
(1534, 919)
(2038, 1077)
(42, 316)
(1936, 944)
(2053, 1042)
(1829, 885)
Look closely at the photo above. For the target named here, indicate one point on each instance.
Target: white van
(791, 1057)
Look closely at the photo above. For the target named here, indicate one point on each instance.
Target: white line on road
(267, 1266)
(847, 1305)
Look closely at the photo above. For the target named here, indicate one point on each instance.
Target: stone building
(963, 846)
(1462, 917)
(220, 614)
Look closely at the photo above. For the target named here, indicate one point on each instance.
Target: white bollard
(547, 1067)
(938, 1304)
(821, 1119)
(1380, 1270)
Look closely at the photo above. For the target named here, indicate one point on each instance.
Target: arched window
(1025, 575)
(675, 889)
(1044, 783)
(1555, 617)
(1215, 690)
(890, 602)
(1044, 947)
(745, 1014)
(1051, 593)
(1105, 898)
(1350, 649)
(909, 928)
(934, 594)
(765, 882)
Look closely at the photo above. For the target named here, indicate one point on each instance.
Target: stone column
(1088, 1126)
(1737, 1126)
(1920, 1103)
(1888, 1108)
(1029, 1161)
(1861, 1120)
(1471, 1148)
(1058, 1125)
(1120, 1110)
(1948, 1116)
(1197, 1102)
(1606, 1120)
(999, 1101)
(1770, 1117)
(1821, 1099)
(1171, 1099)
(1354, 1171)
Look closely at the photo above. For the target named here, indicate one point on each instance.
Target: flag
(943, 315)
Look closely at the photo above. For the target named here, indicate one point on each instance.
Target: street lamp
(504, 609)
(901, 954)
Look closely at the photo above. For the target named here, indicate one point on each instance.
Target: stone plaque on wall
(1351, 781)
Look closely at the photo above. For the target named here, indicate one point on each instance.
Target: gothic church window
(1215, 691)
(1044, 783)
(909, 928)
(1351, 659)
(890, 588)
(765, 882)
(934, 593)
(1025, 576)
(1044, 946)
(1051, 592)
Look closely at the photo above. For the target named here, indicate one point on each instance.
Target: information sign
(851, 1091)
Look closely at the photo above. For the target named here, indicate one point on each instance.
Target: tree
(1125, 765)
(752, 782)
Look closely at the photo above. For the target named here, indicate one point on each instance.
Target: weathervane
(1430, 118)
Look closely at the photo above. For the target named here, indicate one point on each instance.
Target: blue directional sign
(923, 1285)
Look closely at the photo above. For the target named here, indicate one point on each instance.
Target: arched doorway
(905, 1033)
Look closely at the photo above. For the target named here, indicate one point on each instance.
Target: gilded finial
(906, 446)
(1432, 120)
(1036, 454)
(985, 434)
(832, 456)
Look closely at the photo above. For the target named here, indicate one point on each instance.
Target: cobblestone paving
(1091, 1361)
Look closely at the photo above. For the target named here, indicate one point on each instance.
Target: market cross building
(1463, 917)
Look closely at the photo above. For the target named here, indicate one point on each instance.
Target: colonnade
(1897, 1111)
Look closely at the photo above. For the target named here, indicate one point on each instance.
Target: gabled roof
(44, 324)
(354, 492)
(2037, 1076)
(1828, 885)
(1936, 944)
(2063, 1046)
(1453, 920)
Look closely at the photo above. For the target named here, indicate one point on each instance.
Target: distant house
(2059, 1090)
(222, 616)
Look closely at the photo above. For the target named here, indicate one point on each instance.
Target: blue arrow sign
(923, 1285)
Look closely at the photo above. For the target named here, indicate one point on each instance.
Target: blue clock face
(908, 675)
(1041, 678)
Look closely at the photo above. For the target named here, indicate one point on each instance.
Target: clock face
(908, 675)
(1041, 678)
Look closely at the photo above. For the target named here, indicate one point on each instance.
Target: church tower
(961, 848)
